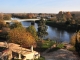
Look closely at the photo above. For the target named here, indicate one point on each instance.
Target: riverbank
(64, 26)
(53, 32)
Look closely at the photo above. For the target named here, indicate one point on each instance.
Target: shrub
(60, 45)
(73, 39)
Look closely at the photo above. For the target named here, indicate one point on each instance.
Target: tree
(30, 16)
(15, 25)
(68, 15)
(73, 16)
(78, 21)
(3, 30)
(63, 16)
(21, 36)
(6, 16)
(1, 16)
(77, 43)
(60, 15)
(73, 39)
(73, 22)
(32, 30)
(2, 24)
(42, 28)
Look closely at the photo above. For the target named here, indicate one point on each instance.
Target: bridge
(19, 20)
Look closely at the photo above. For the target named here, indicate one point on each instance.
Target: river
(53, 33)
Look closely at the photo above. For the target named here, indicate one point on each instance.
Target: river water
(53, 33)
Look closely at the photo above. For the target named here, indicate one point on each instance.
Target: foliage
(15, 25)
(73, 39)
(72, 49)
(77, 43)
(67, 25)
(60, 45)
(59, 15)
(6, 17)
(1, 16)
(2, 24)
(3, 35)
(30, 16)
(20, 36)
(68, 15)
(47, 44)
(64, 16)
(32, 30)
(77, 47)
(4, 29)
(42, 28)
(24, 15)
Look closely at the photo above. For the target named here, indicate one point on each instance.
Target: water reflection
(54, 33)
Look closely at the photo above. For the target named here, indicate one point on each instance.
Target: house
(16, 52)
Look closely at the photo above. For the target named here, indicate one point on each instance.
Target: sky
(38, 6)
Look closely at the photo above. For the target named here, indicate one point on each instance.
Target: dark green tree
(42, 28)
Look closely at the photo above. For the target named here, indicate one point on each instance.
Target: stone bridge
(19, 20)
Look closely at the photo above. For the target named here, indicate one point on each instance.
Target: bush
(73, 39)
(72, 49)
(60, 45)
(47, 44)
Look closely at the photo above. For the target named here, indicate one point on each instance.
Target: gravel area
(60, 54)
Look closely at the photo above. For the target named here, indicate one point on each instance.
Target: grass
(44, 45)
(47, 44)
(60, 45)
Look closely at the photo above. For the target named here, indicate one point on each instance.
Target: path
(61, 54)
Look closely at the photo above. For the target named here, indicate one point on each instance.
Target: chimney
(32, 48)
(19, 55)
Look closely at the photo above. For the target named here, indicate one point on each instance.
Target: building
(14, 51)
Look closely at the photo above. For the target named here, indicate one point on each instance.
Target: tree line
(65, 20)
(4, 16)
